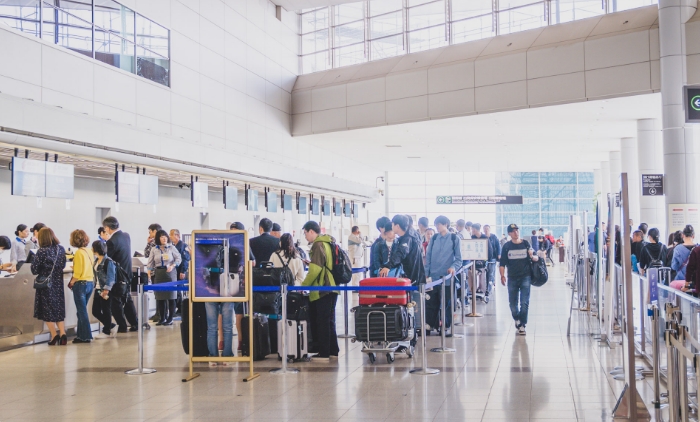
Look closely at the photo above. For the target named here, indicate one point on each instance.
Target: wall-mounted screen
(59, 180)
(348, 209)
(128, 187)
(271, 202)
(287, 200)
(200, 195)
(28, 177)
(314, 207)
(231, 195)
(252, 200)
(326, 207)
(148, 189)
(302, 205)
(337, 208)
(356, 211)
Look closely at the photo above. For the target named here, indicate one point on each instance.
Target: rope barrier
(171, 286)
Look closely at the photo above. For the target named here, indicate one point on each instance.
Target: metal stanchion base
(621, 377)
(284, 371)
(424, 371)
(443, 350)
(474, 315)
(191, 377)
(144, 371)
(350, 336)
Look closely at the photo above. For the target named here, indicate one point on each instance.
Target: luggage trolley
(385, 320)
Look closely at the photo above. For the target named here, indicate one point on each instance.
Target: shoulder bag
(42, 282)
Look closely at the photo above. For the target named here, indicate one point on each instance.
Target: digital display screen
(28, 177)
(326, 207)
(200, 195)
(128, 187)
(302, 205)
(231, 198)
(148, 189)
(348, 209)
(338, 209)
(59, 180)
(252, 200)
(315, 207)
(287, 200)
(219, 261)
(271, 202)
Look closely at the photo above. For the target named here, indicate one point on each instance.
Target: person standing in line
(18, 252)
(162, 267)
(653, 253)
(287, 256)
(494, 256)
(443, 257)
(82, 284)
(429, 233)
(276, 230)
(423, 224)
(384, 248)
(461, 229)
(515, 257)
(33, 242)
(119, 249)
(237, 306)
(322, 306)
(356, 252)
(102, 235)
(375, 261)
(184, 267)
(681, 256)
(50, 302)
(105, 277)
(265, 245)
(503, 241)
(151, 243)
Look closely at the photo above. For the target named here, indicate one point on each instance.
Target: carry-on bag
(398, 297)
(395, 317)
(199, 328)
(267, 303)
(264, 274)
(261, 337)
(296, 339)
(297, 306)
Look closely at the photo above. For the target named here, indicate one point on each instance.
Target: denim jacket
(106, 273)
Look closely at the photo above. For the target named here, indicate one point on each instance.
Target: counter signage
(474, 249)
(231, 198)
(271, 202)
(28, 177)
(148, 189)
(337, 209)
(327, 208)
(652, 184)
(480, 199)
(302, 205)
(315, 207)
(59, 180)
(287, 199)
(653, 279)
(200, 195)
(252, 200)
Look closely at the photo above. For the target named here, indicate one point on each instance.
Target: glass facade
(102, 29)
(548, 198)
(352, 33)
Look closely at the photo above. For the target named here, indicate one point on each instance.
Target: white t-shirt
(295, 265)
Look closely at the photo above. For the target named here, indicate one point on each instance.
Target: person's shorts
(238, 308)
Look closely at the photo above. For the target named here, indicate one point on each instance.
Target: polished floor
(493, 376)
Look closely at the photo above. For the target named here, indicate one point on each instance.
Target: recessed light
(393, 146)
(412, 157)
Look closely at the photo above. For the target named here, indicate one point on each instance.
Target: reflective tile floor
(493, 376)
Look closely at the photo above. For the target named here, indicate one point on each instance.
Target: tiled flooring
(493, 376)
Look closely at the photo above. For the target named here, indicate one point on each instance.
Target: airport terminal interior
(341, 210)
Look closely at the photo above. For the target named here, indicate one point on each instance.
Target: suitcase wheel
(390, 358)
(372, 357)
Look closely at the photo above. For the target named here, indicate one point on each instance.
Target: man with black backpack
(442, 257)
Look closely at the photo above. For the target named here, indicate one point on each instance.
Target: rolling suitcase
(296, 339)
(199, 328)
(398, 297)
(261, 337)
(392, 318)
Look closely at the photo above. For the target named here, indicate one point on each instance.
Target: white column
(630, 165)
(597, 181)
(615, 166)
(605, 188)
(652, 209)
(681, 148)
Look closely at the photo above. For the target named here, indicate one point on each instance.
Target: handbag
(539, 272)
(42, 282)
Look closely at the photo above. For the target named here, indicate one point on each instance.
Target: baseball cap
(276, 227)
(513, 227)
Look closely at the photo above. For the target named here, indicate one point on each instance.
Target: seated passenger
(287, 256)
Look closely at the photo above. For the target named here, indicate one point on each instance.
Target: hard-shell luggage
(395, 316)
(397, 297)
(296, 339)
(261, 337)
(199, 328)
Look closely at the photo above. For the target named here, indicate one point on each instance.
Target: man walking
(516, 256)
(119, 250)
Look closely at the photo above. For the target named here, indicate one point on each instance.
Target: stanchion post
(140, 312)
(472, 286)
(423, 370)
(442, 348)
(283, 345)
(345, 314)
(654, 311)
(465, 278)
(453, 295)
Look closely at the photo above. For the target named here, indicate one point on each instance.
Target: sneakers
(521, 330)
(517, 324)
(103, 336)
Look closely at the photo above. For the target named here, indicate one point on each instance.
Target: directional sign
(692, 104)
(652, 184)
(480, 199)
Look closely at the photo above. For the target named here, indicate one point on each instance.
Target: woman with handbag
(162, 267)
(82, 284)
(49, 301)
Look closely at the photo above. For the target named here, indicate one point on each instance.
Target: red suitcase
(389, 297)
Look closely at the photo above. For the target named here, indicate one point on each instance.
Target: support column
(681, 148)
(630, 165)
(605, 188)
(615, 166)
(652, 209)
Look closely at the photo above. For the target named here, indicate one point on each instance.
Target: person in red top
(428, 235)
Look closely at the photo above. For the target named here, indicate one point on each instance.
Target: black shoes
(169, 322)
(55, 341)
(79, 341)
(134, 328)
(64, 340)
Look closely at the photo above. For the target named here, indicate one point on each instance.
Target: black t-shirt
(516, 259)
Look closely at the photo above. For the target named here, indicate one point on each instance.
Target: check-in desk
(17, 323)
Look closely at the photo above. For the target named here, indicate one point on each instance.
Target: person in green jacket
(322, 307)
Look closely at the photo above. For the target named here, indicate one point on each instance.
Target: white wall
(233, 66)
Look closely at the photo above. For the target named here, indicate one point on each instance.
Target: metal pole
(283, 345)
(642, 317)
(472, 284)
(442, 348)
(424, 370)
(682, 368)
(654, 311)
(670, 378)
(345, 312)
(464, 294)
(454, 307)
(140, 313)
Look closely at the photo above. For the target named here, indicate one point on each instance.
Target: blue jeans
(213, 311)
(81, 294)
(519, 288)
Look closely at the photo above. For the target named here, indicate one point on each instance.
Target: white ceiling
(568, 137)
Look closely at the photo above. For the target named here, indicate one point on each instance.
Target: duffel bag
(269, 303)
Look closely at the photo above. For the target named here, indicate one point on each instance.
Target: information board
(692, 104)
(653, 279)
(148, 189)
(59, 180)
(303, 205)
(287, 201)
(220, 260)
(474, 249)
(200, 195)
(252, 200)
(271, 202)
(652, 184)
(480, 199)
(231, 198)
(28, 177)
(128, 187)
(681, 214)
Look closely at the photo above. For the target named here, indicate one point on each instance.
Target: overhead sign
(59, 180)
(692, 104)
(474, 249)
(28, 177)
(481, 199)
(652, 184)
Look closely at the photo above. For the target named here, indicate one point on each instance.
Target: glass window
(559, 177)
(114, 50)
(429, 14)
(631, 4)
(428, 38)
(571, 10)
(387, 24)
(315, 41)
(379, 7)
(383, 48)
(350, 12)
(152, 36)
(115, 18)
(350, 33)
(471, 8)
(472, 29)
(315, 62)
(349, 55)
(67, 30)
(152, 66)
(558, 191)
(314, 20)
(23, 15)
(522, 18)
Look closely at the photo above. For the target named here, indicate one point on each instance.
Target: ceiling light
(412, 157)
(393, 146)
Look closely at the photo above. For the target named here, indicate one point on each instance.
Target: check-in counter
(17, 323)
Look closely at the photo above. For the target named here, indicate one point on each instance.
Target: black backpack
(286, 276)
(658, 262)
(342, 270)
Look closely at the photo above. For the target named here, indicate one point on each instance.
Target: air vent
(393, 146)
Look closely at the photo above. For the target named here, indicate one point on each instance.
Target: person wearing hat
(276, 230)
(516, 256)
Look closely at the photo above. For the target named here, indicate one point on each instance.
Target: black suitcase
(261, 337)
(269, 303)
(199, 328)
(397, 322)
